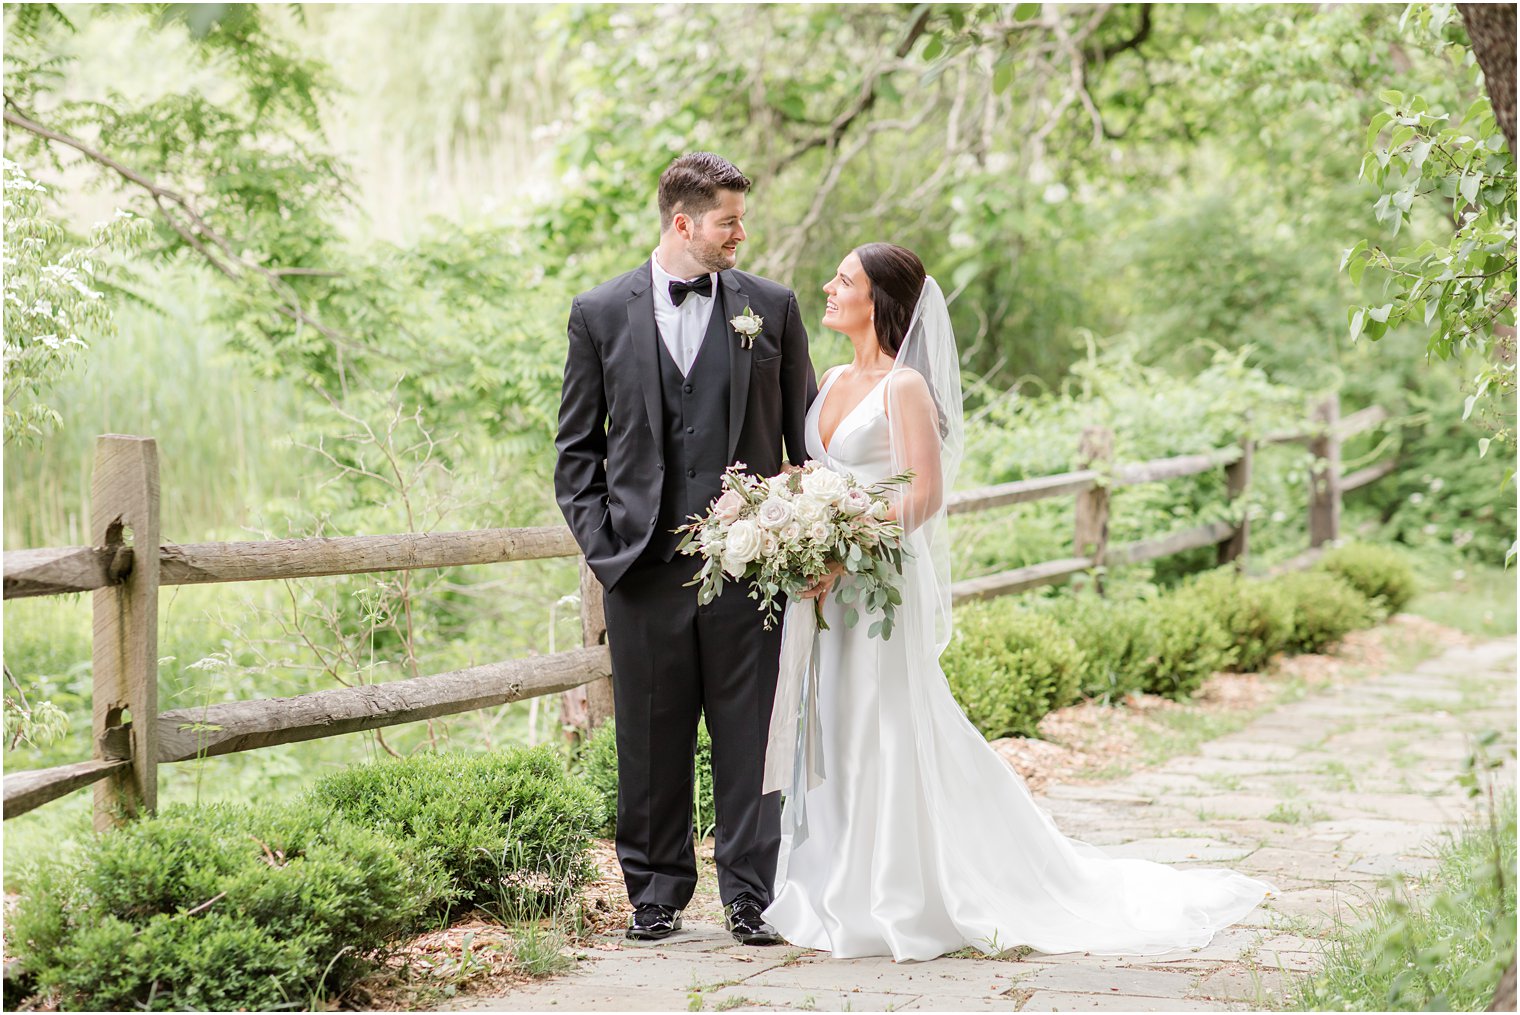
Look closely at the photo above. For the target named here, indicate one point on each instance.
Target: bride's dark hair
(897, 279)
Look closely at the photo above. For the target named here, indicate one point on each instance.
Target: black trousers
(672, 661)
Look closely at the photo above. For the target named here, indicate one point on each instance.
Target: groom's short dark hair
(691, 183)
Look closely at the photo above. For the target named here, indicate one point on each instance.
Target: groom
(662, 393)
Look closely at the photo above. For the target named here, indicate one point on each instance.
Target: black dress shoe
(652, 922)
(747, 925)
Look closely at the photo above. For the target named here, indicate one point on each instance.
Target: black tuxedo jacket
(608, 478)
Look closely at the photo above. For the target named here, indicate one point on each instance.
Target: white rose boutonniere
(747, 325)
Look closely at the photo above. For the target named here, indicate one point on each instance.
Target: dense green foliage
(1425, 156)
(1325, 607)
(1377, 572)
(1008, 667)
(509, 829)
(220, 907)
(1257, 614)
(267, 907)
(1188, 641)
(1010, 662)
(1116, 639)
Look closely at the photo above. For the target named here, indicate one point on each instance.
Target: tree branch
(231, 264)
(866, 99)
(1142, 33)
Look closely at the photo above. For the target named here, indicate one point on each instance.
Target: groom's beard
(710, 255)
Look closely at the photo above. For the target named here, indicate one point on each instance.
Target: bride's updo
(897, 279)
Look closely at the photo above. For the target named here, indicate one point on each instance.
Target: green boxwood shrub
(218, 907)
(1257, 615)
(1378, 572)
(1325, 608)
(1008, 667)
(599, 761)
(510, 829)
(1187, 643)
(1115, 639)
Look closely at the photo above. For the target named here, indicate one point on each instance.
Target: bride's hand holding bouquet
(786, 534)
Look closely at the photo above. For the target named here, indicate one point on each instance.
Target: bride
(903, 832)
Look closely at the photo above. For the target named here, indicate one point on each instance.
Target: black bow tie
(680, 290)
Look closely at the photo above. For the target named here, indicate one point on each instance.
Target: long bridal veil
(1005, 873)
(933, 451)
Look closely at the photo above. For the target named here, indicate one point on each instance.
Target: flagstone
(1366, 768)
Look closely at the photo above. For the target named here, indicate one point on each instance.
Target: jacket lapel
(732, 305)
(646, 345)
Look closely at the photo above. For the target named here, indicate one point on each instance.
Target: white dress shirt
(682, 328)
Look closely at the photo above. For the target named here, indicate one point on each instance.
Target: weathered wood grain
(1172, 468)
(1325, 473)
(57, 570)
(1020, 491)
(25, 791)
(1237, 481)
(1090, 517)
(230, 727)
(124, 655)
(83, 568)
(1165, 546)
(1019, 579)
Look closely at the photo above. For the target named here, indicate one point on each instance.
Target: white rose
(774, 513)
(772, 544)
(879, 510)
(854, 502)
(810, 509)
(824, 484)
(728, 507)
(711, 541)
(742, 546)
(820, 532)
(791, 532)
(775, 488)
(747, 323)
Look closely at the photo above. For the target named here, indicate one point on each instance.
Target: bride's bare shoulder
(909, 390)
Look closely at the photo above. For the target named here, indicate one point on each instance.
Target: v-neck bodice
(861, 443)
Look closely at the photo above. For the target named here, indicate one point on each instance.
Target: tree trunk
(1504, 996)
(1491, 27)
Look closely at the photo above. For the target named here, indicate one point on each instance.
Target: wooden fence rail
(58, 570)
(131, 738)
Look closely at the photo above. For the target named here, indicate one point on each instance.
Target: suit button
(691, 429)
(687, 389)
(691, 473)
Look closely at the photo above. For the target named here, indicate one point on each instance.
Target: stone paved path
(1323, 797)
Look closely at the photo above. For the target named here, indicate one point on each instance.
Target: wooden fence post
(1325, 473)
(123, 513)
(594, 632)
(1090, 536)
(584, 708)
(1237, 481)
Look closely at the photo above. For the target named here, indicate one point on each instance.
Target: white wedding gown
(920, 839)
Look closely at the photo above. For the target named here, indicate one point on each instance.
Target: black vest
(695, 436)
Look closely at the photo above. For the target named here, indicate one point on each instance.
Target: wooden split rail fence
(132, 737)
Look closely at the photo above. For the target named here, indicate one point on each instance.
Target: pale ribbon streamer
(794, 748)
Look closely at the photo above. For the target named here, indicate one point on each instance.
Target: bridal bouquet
(783, 533)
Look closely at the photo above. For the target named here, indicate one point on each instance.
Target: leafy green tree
(1445, 158)
(52, 306)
